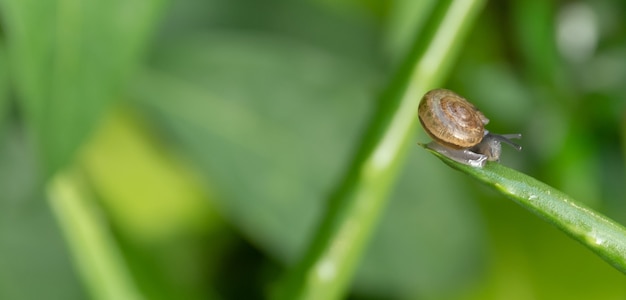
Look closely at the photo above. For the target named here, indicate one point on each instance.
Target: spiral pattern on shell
(451, 120)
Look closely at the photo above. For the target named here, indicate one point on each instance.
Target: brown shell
(451, 120)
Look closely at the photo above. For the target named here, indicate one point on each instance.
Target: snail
(458, 131)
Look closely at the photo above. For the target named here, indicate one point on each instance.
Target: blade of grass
(325, 270)
(98, 258)
(597, 232)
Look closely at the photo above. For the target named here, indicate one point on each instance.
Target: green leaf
(70, 58)
(597, 232)
(249, 108)
(247, 111)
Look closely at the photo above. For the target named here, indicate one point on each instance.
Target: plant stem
(326, 269)
(88, 236)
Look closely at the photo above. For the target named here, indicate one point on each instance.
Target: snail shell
(457, 128)
(451, 120)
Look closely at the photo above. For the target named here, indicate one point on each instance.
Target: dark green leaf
(70, 59)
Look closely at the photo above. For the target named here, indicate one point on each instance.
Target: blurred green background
(203, 138)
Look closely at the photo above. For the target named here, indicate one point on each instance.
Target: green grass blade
(96, 253)
(354, 209)
(597, 232)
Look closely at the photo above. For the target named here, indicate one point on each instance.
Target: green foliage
(200, 141)
(103, 269)
(354, 209)
(600, 234)
(70, 59)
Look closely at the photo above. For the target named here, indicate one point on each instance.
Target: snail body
(458, 131)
